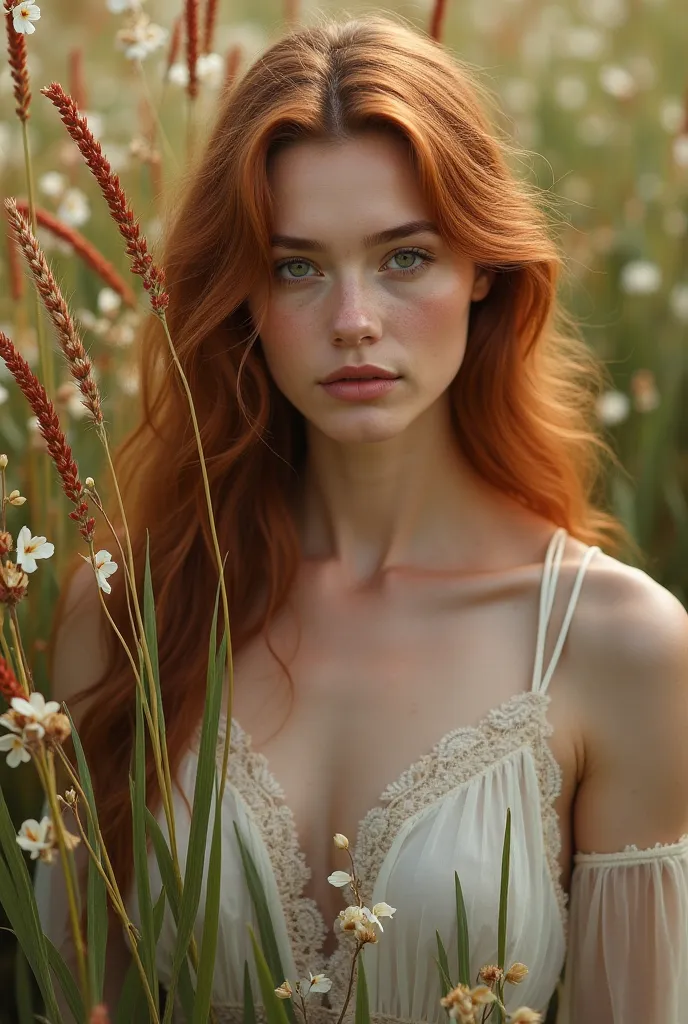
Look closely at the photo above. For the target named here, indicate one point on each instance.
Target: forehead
(368, 178)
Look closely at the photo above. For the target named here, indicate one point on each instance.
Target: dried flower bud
(350, 917)
(5, 542)
(491, 973)
(13, 584)
(524, 1015)
(3, 462)
(458, 1001)
(33, 734)
(70, 797)
(284, 991)
(90, 483)
(71, 841)
(341, 842)
(15, 498)
(57, 727)
(516, 973)
(364, 933)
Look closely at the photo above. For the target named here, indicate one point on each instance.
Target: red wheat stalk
(437, 22)
(191, 19)
(136, 245)
(77, 80)
(72, 347)
(175, 43)
(16, 49)
(9, 684)
(85, 250)
(211, 9)
(232, 63)
(49, 426)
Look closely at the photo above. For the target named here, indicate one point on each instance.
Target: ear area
(482, 283)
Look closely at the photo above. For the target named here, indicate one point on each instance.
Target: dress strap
(548, 586)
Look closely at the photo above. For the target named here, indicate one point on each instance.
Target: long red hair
(523, 401)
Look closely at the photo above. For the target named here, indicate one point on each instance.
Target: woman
(418, 591)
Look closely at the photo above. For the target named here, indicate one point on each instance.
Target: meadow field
(595, 92)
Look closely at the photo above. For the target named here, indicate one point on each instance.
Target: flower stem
(352, 975)
(19, 650)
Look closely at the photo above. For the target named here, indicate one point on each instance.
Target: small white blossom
(108, 301)
(37, 838)
(314, 983)
(178, 74)
(52, 184)
(640, 277)
(17, 752)
(338, 878)
(30, 548)
(22, 16)
(284, 991)
(104, 568)
(74, 208)
(140, 37)
(613, 407)
(210, 68)
(378, 911)
(618, 82)
(678, 300)
(340, 841)
(350, 917)
(36, 708)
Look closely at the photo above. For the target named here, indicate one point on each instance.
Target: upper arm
(79, 645)
(634, 788)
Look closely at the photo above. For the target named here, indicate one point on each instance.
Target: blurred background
(596, 93)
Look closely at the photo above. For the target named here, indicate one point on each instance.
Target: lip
(359, 373)
(360, 390)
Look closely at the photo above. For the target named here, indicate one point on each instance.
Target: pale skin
(416, 606)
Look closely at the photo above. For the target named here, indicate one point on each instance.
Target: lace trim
(462, 755)
(631, 854)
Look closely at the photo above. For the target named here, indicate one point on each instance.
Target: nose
(355, 321)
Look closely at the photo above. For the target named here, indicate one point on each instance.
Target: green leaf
(96, 895)
(22, 988)
(203, 790)
(206, 960)
(462, 940)
(443, 965)
(137, 787)
(66, 982)
(275, 1009)
(504, 891)
(362, 1015)
(132, 1005)
(18, 899)
(249, 1004)
(265, 926)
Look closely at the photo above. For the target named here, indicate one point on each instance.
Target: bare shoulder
(79, 644)
(631, 658)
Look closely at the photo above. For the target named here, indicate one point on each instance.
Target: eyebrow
(413, 227)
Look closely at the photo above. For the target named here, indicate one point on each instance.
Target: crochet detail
(632, 854)
(461, 756)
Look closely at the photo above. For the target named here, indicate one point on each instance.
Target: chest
(376, 681)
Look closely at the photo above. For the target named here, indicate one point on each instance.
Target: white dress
(623, 938)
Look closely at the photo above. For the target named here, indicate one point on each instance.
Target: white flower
(36, 708)
(340, 841)
(108, 301)
(379, 910)
(140, 37)
(36, 838)
(14, 743)
(314, 983)
(30, 548)
(22, 16)
(52, 184)
(640, 277)
(74, 209)
(284, 991)
(350, 917)
(618, 82)
(338, 878)
(104, 568)
(4, 394)
(681, 150)
(210, 68)
(678, 300)
(613, 407)
(178, 74)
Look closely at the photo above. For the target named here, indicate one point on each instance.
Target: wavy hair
(523, 401)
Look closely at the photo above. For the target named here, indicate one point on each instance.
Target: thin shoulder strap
(548, 586)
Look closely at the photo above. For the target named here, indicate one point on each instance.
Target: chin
(364, 426)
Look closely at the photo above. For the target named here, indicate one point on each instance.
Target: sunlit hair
(523, 401)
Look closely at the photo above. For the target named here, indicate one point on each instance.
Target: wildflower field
(596, 93)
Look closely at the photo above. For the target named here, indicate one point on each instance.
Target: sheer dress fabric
(622, 941)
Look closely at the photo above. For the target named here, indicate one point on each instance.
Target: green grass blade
(249, 1004)
(504, 891)
(138, 802)
(16, 886)
(150, 630)
(462, 939)
(275, 1008)
(362, 1015)
(206, 960)
(67, 983)
(132, 1005)
(443, 965)
(265, 926)
(22, 989)
(203, 790)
